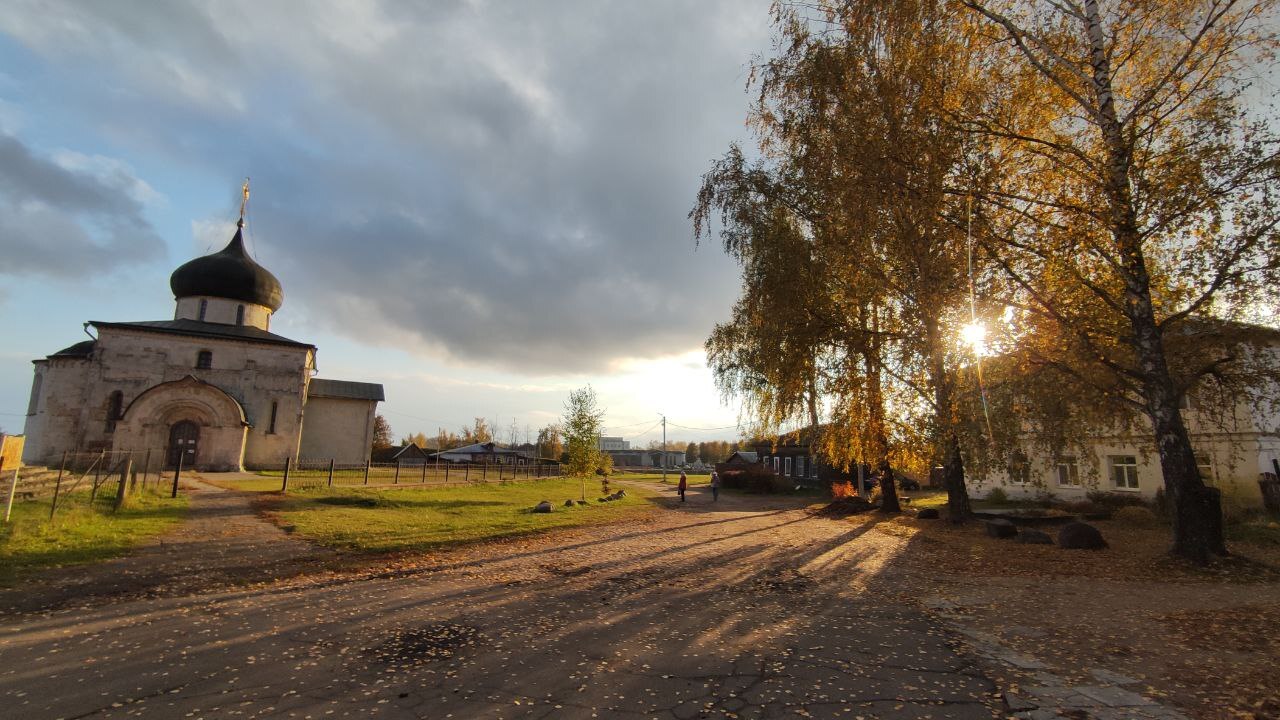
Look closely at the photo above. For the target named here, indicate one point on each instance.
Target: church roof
(346, 389)
(81, 349)
(229, 273)
(196, 328)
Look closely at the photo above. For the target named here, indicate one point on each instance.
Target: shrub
(1236, 508)
(997, 495)
(733, 480)
(1082, 507)
(1115, 500)
(753, 480)
(843, 490)
(876, 494)
(1135, 515)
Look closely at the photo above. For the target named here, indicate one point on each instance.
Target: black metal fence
(310, 473)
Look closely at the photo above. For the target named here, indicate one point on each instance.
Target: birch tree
(856, 200)
(1133, 196)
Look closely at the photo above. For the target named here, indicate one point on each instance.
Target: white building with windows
(213, 385)
(1235, 451)
(608, 443)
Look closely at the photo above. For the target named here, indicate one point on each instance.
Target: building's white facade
(613, 443)
(1234, 450)
(213, 385)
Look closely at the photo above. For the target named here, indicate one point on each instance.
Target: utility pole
(664, 449)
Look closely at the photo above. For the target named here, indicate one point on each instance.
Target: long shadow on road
(760, 614)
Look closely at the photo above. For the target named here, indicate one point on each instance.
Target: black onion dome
(229, 273)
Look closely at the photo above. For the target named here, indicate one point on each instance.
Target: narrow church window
(204, 360)
(271, 428)
(239, 314)
(204, 308)
(114, 408)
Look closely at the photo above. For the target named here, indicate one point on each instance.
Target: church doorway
(184, 438)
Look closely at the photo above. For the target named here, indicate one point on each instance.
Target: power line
(624, 427)
(686, 427)
(415, 417)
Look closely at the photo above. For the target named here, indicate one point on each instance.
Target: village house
(212, 386)
(789, 456)
(1237, 449)
(486, 453)
(409, 454)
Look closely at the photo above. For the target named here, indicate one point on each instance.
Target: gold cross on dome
(245, 201)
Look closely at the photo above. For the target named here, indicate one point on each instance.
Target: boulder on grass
(543, 507)
(928, 514)
(1136, 515)
(568, 503)
(583, 502)
(1034, 537)
(1001, 528)
(1080, 536)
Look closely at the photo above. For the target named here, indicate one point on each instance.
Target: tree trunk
(945, 437)
(888, 489)
(958, 509)
(1197, 512)
(876, 421)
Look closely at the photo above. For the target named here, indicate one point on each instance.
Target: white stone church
(213, 384)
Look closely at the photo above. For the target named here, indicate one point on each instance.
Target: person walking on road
(684, 485)
(715, 486)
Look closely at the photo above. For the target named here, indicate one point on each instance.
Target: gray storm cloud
(65, 222)
(503, 182)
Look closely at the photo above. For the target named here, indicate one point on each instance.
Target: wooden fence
(84, 478)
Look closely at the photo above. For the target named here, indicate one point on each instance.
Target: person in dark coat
(715, 486)
(683, 486)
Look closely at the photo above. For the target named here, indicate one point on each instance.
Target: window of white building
(1204, 465)
(1124, 471)
(1019, 469)
(786, 466)
(1068, 472)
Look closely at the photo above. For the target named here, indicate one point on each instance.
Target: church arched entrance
(187, 417)
(184, 443)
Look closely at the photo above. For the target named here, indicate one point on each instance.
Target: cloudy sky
(481, 205)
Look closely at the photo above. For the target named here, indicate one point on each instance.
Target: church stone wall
(340, 429)
(252, 373)
(146, 423)
(58, 414)
(74, 397)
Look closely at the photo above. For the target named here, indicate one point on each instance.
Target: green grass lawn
(80, 534)
(409, 518)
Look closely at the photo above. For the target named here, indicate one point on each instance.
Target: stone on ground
(1080, 536)
(1001, 528)
(1034, 537)
(928, 514)
(543, 507)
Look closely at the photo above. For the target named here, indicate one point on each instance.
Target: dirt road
(744, 608)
